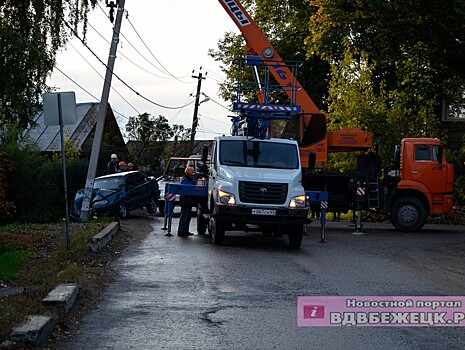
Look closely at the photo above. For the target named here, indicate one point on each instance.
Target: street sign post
(60, 109)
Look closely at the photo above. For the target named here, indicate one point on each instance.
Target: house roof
(47, 138)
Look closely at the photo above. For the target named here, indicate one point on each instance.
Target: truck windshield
(258, 154)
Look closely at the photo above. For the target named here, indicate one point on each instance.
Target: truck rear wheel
(295, 236)
(218, 228)
(408, 214)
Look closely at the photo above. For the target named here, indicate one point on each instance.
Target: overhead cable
(129, 104)
(122, 55)
(116, 76)
(170, 75)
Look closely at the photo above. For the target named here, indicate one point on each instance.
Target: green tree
(31, 32)
(181, 133)
(285, 25)
(72, 150)
(181, 145)
(354, 103)
(7, 208)
(148, 138)
(406, 44)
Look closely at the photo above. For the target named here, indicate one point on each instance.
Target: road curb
(34, 331)
(102, 238)
(62, 297)
(37, 328)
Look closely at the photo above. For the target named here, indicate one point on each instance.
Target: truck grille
(262, 192)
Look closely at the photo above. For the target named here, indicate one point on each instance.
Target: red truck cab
(425, 184)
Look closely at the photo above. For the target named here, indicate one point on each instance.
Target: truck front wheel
(408, 214)
(218, 228)
(295, 236)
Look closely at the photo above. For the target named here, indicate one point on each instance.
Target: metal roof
(47, 138)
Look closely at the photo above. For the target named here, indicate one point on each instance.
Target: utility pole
(102, 113)
(195, 119)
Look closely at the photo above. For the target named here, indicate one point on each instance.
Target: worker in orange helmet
(122, 166)
(186, 203)
(129, 166)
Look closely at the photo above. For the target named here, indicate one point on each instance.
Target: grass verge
(11, 259)
(34, 257)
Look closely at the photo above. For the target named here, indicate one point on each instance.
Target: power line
(171, 76)
(218, 76)
(215, 120)
(122, 55)
(214, 101)
(90, 94)
(66, 75)
(74, 81)
(134, 108)
(156, 59)
(120, 79)
(179, 112)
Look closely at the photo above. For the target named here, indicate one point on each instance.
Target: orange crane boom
(314, 137)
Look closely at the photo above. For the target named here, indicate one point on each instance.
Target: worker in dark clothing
(186, 204)
(112, 166)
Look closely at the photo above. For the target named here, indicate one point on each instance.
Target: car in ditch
(118, 194)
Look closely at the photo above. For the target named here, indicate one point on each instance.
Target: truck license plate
(263, 212)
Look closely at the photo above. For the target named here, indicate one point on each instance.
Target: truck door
(426, 168)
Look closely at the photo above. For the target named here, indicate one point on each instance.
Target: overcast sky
(176, 36)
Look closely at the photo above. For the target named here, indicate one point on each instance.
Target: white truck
(255, 183)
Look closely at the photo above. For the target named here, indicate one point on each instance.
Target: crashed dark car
(118, 194)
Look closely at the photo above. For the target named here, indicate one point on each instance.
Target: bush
(457, 158)
(37, 187)
(7, 208)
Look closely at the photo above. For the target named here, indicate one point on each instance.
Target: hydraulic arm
(313, 135)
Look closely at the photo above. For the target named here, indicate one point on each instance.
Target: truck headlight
(226, 198)
(298, 202)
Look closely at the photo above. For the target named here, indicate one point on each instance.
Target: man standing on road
(186, 204)
(112, 166)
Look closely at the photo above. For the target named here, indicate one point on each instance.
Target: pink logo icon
(314, 311)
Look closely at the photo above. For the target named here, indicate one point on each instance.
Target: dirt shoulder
(132, 231)
(44, 241)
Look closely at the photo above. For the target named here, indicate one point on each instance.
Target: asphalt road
(185, 293)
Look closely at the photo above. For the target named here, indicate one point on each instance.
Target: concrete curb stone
(37, 328)
(102, 238)
(34, 331)
(63, 296)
